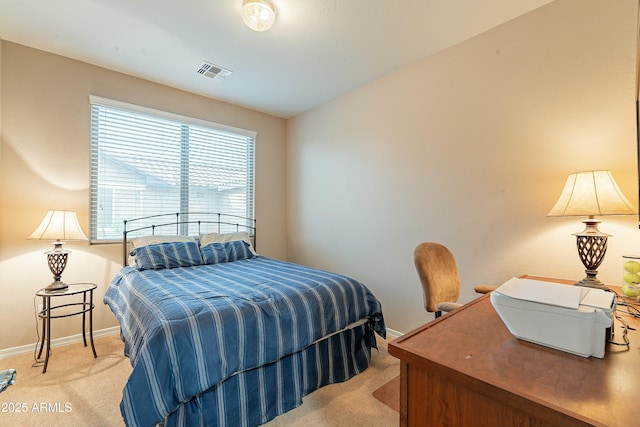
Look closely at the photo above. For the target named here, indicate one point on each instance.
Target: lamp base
(55, 286)
(592, 246)
(57, 260)
(592, 282)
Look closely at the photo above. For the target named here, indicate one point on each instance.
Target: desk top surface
(474, 341)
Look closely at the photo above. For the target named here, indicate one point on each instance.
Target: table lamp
(591, 193)
(58, 225)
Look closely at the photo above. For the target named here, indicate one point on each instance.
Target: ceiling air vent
(213, 71)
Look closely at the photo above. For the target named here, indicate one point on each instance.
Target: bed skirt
(258, 395)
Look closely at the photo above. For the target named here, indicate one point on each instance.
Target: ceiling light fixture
(259, 15)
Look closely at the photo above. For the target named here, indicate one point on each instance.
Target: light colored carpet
(78, 390)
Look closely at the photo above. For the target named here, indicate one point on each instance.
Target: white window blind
(147, 162)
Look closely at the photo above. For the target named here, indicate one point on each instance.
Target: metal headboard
(180, 223)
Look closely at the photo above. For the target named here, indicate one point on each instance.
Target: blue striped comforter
(187, 329)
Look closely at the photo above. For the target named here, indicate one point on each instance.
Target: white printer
(569, 318)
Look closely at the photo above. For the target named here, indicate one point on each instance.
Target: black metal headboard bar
(181, 222)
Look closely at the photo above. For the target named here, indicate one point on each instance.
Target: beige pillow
(206, 239)
(138, 242)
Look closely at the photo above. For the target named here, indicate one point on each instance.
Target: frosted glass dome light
(259, 15)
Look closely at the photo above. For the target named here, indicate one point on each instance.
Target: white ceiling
(316, 51)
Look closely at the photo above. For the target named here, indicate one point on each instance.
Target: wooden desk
(466, 369)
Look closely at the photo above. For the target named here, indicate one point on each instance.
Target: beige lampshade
(59, 225)
(259, 15)
(591, 193)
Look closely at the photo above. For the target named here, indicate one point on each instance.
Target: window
(148, 162)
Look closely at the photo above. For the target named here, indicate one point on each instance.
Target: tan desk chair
(438, 274)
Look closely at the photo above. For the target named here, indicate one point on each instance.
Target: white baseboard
(392, 335)
(29, 348)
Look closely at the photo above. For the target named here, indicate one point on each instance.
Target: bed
(219, 335)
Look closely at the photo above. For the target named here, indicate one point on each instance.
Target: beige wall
(1, 206)
(471, 148)
(44, 99)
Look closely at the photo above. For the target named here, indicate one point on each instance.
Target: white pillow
(138, 242)
(206, 239)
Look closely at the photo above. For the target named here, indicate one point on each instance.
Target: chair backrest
(438, 274)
